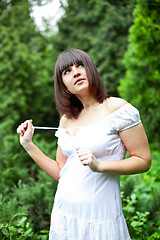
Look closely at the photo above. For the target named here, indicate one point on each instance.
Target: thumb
(30, 125)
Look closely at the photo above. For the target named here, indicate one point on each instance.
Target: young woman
(94, 134)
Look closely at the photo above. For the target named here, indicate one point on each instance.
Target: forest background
(123, 39)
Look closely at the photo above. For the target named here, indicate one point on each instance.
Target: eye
(80, 65)
(65, 72)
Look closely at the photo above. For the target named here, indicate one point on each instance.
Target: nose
(76, 71)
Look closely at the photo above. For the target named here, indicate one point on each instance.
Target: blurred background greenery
(123, 39)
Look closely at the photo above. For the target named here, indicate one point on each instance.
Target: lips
(78, 80)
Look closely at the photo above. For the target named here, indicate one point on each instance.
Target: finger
(27, 124)
(30, 125)
(23, 127)
(86, 162)
(20, 130)
(82, 152)
(85, 157)
(82, 158)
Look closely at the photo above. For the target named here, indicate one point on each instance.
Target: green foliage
(26, 92)
(141, 83)
(21, 229)
(25, 68)
(140, 86)
(22, 183)
(27, 59)
(155, 235)
(110, 43)
(101, 29)
(141, 201)
(136, 220)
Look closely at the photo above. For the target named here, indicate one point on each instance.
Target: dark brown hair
(67, 103)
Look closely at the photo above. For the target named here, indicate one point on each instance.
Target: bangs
(69, 104)
(67, 59)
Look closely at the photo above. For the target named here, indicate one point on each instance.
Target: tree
(100, 28)
(26, 92)
(26, 68)
(141, 83)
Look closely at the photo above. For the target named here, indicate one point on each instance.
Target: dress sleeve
(126, 117)
(60, 136)
(57, 134)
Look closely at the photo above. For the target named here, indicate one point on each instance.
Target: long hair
(68, 104)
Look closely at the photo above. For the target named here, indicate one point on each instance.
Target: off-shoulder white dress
(87, 204)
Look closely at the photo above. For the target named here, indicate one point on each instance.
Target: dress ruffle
(67, 227)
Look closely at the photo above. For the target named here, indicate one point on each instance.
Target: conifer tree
(25, 67)
(141, 83)
(26, 92)
(100, 28)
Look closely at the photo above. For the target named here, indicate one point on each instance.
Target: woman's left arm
(135, 140)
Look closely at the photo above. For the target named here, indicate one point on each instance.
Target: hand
(88, 159)
(26, 131)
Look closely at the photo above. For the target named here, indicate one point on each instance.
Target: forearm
(127, 166)
(45, 163)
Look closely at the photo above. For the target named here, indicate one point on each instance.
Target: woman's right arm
(51, 167)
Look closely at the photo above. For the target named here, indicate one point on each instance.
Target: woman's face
(75, 79)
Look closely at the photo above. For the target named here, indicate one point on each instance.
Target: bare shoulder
(114, 103)
(65, 122)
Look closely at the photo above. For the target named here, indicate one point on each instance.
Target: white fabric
(88, 204)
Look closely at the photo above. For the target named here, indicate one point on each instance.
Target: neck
(88, 101)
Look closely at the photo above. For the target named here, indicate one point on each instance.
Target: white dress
(87, 204)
